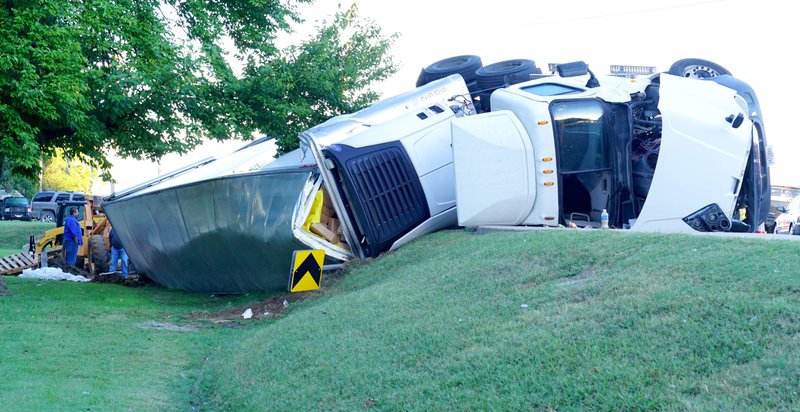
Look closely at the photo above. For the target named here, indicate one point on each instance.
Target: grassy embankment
(560, 319)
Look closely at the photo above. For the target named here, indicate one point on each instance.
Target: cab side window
(43, 197)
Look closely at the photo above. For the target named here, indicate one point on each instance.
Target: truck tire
(697, 69)
(464, 65)
(505, 73)
(98, 261)
(47, 216)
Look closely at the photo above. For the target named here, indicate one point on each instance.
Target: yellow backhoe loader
(92, 255)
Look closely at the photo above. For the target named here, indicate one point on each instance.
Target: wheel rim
(700, 71)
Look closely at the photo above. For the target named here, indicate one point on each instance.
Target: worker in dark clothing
(73, 238)
(117, 253)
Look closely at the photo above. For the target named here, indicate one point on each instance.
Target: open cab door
(494, 169)
(705, 143)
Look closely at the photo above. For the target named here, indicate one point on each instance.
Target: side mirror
(781, 209)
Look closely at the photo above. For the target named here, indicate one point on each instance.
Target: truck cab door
(494, 169)
(705, 143)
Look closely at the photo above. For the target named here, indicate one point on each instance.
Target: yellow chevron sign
(306, 270)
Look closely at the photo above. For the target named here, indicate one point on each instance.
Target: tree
(325, 76)
(10, 181)
(144, 78)
(67, 175)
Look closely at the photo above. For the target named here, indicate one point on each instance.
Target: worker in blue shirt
(73, 237)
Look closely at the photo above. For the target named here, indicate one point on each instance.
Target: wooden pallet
(15, 264)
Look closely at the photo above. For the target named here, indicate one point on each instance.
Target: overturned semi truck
(679, 151)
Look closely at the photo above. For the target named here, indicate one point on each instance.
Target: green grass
(15, 233)
(558, 319)
(89, 346)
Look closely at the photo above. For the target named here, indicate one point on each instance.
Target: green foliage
(61, 174)
(144, 78)
(11, 181)
(325, 76)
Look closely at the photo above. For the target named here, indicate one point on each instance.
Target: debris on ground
(59, 263)
(270, 308)
(51, 273)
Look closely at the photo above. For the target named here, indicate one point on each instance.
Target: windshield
(66, 214)
(16, 201)
(580, 136)
(784, 193)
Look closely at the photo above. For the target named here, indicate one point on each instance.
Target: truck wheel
(794, 230)
(47, 216)
(697, 69)
(509, 72)
(463, 65)
(98, 262)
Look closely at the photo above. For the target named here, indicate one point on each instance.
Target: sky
(753, 40)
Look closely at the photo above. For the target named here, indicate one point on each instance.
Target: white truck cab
(660, 153)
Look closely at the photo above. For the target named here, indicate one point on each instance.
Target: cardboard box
(327, 214)
(322, 230)
(334, 226)
(326, 200)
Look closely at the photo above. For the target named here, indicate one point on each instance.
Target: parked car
(781, 196)
(789, 220)
(16, 208)
(45, 204)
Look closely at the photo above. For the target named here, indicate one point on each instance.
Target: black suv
(15, 208)
(45, 204)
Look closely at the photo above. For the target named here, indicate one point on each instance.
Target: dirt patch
(133, 279)
(577, 278)
(270, 308)
(151, 324)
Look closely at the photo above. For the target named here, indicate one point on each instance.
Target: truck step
(16, 263)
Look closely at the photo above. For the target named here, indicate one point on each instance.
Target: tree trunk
(4, 290)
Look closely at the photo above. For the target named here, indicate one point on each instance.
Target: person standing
(117, 253)
(73, 238)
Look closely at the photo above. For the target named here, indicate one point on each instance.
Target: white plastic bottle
(604, 219)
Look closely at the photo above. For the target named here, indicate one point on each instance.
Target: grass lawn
(91, 346)
(558, 319)
(15, 233)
